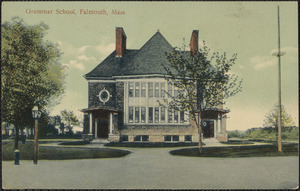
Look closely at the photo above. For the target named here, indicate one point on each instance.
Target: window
(181, 116)
(137, 114)
(162, 89)
(143, 114)
(170, 90)
(143, 92)
(124, 138)
(156, 114)
(167, 137)
(150, 89)
(175, 138)
(137, 89)
(176, 116)
(150, 118)
(130, 89)
(130, 115)
(170, 117)
(162, 114)
(170, 138)
(156, 92)
(145, 137)
(140, 138)
(188, 138)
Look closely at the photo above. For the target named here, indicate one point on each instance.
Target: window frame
(150, 109)
(131, 89)
(150, 89)
(137, 89)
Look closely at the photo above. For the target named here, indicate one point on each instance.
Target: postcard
(149, 95)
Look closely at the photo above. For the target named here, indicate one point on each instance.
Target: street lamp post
(36, 114)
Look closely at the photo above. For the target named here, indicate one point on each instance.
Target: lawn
(59, 153)
(290, 149)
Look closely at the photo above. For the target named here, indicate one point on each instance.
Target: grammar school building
(124, 91)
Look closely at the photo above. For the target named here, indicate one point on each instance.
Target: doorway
(102, 128)
(208, 129)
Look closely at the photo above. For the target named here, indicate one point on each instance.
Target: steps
(99, 141)
(210, 142)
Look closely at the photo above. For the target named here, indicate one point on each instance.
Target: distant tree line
(266, 133)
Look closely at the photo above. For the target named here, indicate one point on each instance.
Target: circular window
(104, 95)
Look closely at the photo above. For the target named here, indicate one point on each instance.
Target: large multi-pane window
(181, 116)
(150, 115)
(162, 89)
(130, 89)
(170, 90)
(137, 89)
(156, 90)
(137, 114)
(150, 89)
(170, 116)
(130, 115)
(143, 92)
(143, 114)
(156, 114)
(176, 116)
(162, 114)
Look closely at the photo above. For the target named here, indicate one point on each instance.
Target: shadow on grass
(75, 143)
(237, 142)
(239, 151)
(149, 145)
(60, 153)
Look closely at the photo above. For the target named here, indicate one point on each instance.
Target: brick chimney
(194, 43)
(120, 42)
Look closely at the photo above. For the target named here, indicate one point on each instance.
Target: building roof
(147, 60)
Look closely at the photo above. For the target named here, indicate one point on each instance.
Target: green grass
(237, 142)
(75, 143)
(239, 151)
(59, 153)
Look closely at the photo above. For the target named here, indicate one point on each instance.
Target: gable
(147, 60)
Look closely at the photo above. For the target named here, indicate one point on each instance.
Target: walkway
(154, 168)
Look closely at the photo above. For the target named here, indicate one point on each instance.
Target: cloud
(76, 64)
(83, 48)
(82, 57)
(105, 48)
(288, 50)
(263, 62)
(85, 58)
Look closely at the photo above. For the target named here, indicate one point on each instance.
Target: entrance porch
(101, 124)
(214, 125)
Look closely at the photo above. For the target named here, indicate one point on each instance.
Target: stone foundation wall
(157, 133)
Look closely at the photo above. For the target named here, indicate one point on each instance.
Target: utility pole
(279, 85)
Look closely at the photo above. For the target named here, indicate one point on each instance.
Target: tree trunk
(200, 133)
(198, 124)
(17, 137)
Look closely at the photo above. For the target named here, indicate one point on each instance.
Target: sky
(246, 28)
